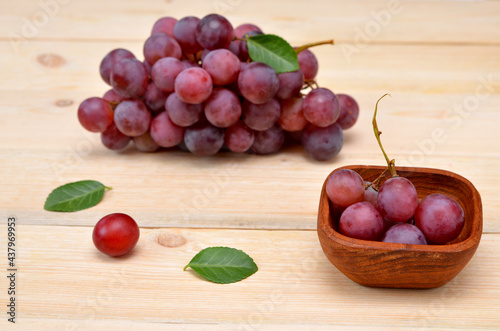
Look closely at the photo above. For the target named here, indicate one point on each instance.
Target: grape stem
(319, 43)
(390, 163)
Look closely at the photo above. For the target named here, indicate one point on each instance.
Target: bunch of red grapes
(197, 89)
(393, 213)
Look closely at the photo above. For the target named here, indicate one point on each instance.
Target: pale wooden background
(440, 60)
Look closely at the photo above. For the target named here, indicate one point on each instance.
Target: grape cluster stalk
(197, 88)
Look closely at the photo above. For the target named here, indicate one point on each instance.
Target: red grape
(268, 141)
(132, 118)
(185, 34)
(95, 114)
(263, 116)
(361, 221)
(214, 31)
(349, 111)
(113, 139)
(222, 108)
(159, 46)
(321, 107)
(290, 84)
(345, 187)
(440, 218)
(404, 233)
(165, 71)
(204, 139)
(292, 117)
(112, 97)
(155, 98)
(145, 143)
(109, 60)
(129, 78)
(193, 85)
(322, 143)
(239, 137)
(258, 82)
(397, 199)
(164, 25)
(181, 113)
(222, 65)
(371, 196)
(115, 234)
(308, 64)
(164, 132)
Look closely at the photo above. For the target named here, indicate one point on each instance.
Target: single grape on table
(197, 87)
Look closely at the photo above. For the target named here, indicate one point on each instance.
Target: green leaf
(223, 264)
(75, 196)
(274, 51)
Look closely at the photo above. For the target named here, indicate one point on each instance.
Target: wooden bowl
(379, 264)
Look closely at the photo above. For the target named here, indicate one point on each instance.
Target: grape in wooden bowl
(395, 265)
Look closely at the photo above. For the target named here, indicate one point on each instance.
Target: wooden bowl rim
(472, 240)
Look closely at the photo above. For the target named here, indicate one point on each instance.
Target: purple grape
(397, 199)
(345, 187)
(292, 117)
(110, 59)
(193, 85)
(349, 111)
(321, 107)
(239, 137)
(145, 143)
(164, 132)
(132, 118)
(113, 139)
(268, 141)
(112, 97)
(440, 218)
(263, 116)
(185, 34)
(164, 25)
(371, 195)
(222, 108)
(214, 31)
(95, 114)
(404, 233)
(155, 98)
(129, 78)
(159, 46)
(222, 65)
(234, 48)
(204, 139)
(290, 84)
(165, 71)
(181, 113)
(258, 82)
(361, 221)
(308, 64)
(322, 143)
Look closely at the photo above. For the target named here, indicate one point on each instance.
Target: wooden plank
(295, 284)
(357, 22)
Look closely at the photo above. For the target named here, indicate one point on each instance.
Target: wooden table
(440, 60)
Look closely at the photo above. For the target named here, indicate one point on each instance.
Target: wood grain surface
(438, 59)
